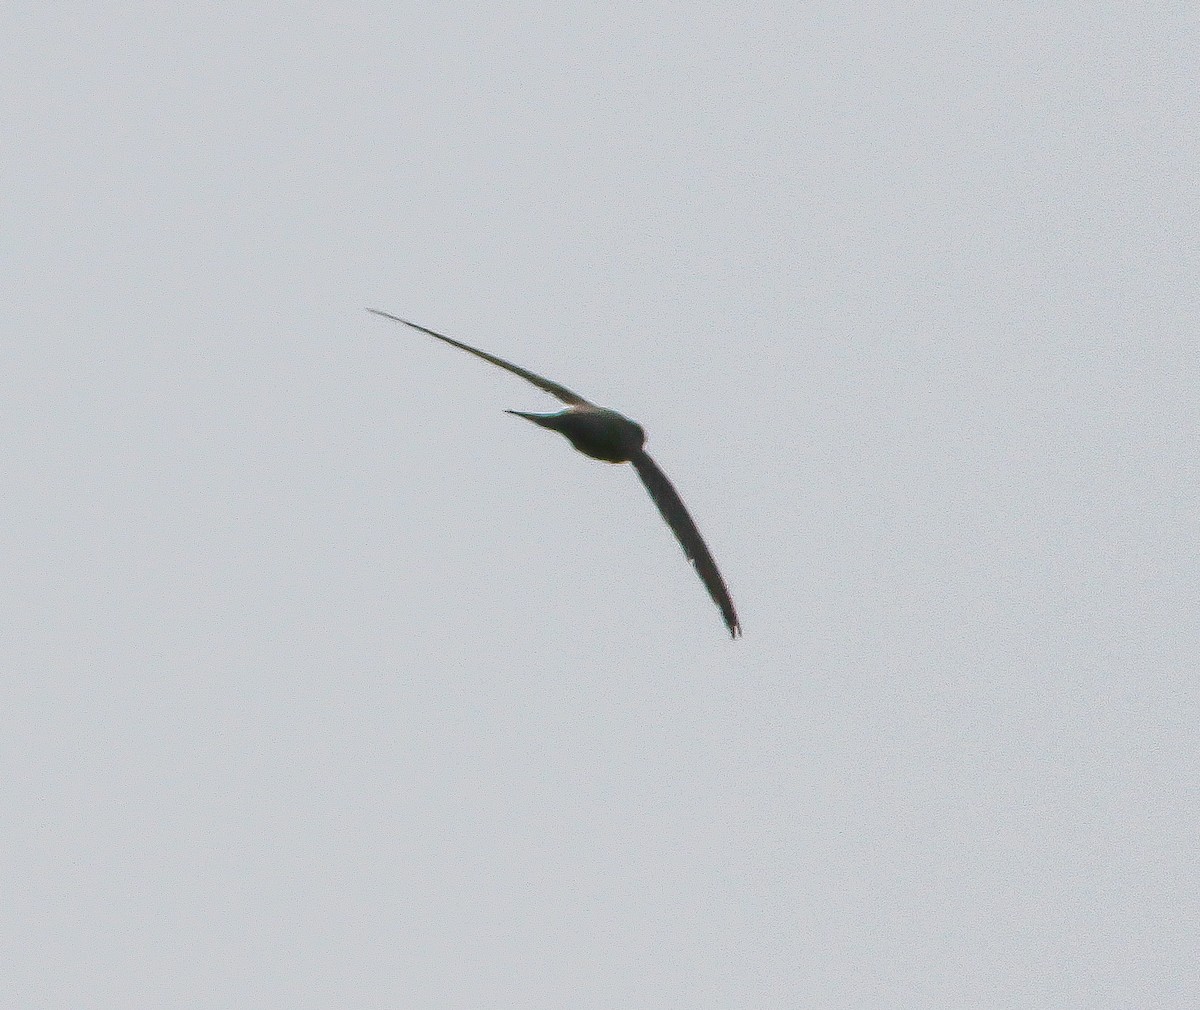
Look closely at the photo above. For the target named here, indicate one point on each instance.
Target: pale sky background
(327, 684)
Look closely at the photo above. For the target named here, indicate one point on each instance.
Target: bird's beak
(539, 419)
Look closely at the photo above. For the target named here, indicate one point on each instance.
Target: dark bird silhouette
(606, 435)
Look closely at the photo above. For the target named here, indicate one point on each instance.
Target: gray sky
(328, 684)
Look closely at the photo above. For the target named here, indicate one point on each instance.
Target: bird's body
(603, 434)
(595, 431)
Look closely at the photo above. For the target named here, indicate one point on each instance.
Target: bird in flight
(606, 435)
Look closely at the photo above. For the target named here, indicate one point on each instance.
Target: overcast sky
(328, 684)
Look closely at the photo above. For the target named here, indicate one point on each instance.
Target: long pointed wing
(553, 388)
(673, 511)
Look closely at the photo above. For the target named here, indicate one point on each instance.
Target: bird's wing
(553, 388)
(673, 511)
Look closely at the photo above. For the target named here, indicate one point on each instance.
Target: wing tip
(393, 318)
